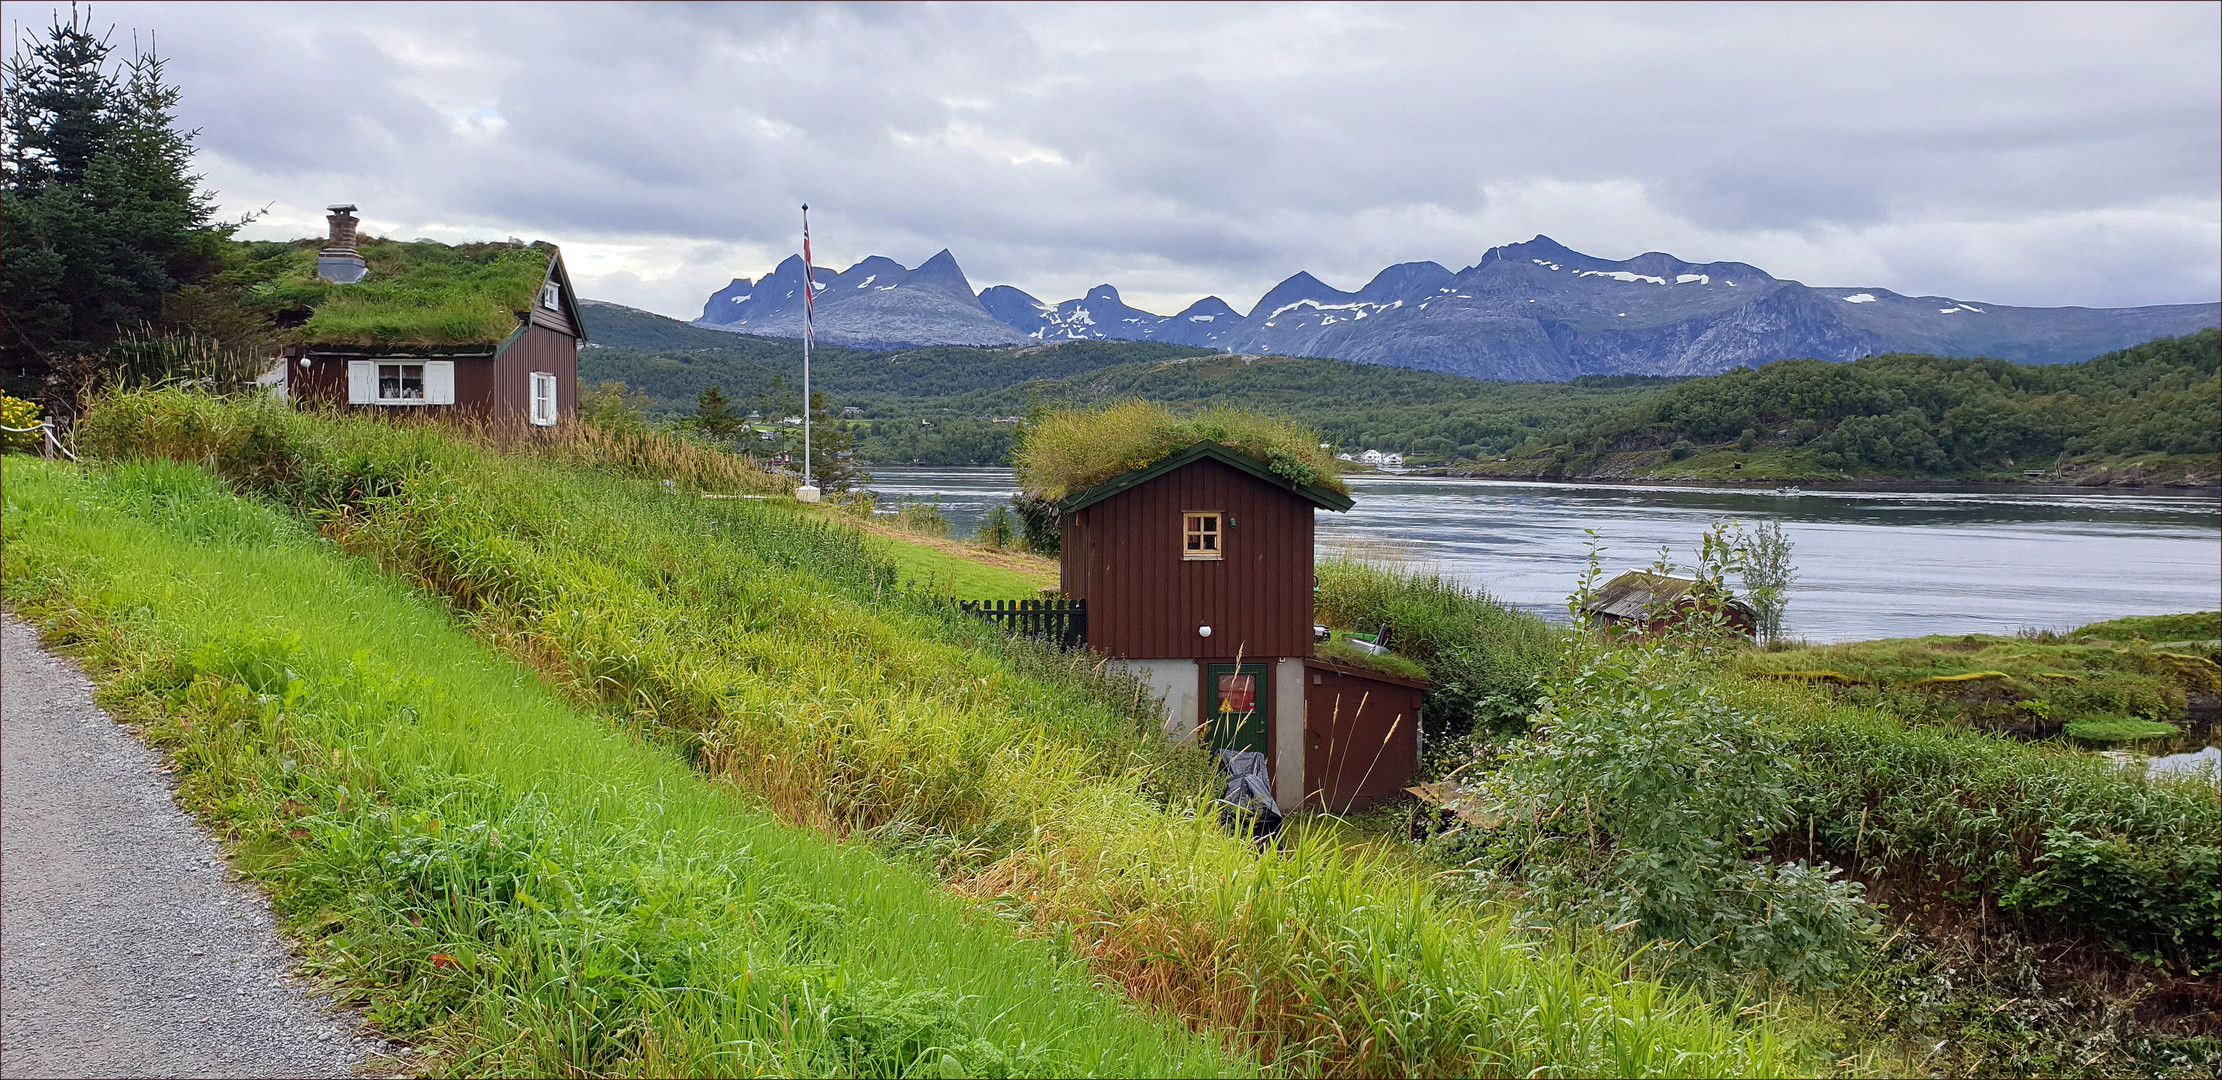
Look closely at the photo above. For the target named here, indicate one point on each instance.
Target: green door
(1238, 706)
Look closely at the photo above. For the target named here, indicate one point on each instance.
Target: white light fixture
(1203, 631)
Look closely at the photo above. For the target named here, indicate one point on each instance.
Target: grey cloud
(1208, 149)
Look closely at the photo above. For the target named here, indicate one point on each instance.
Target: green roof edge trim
(1317, 495)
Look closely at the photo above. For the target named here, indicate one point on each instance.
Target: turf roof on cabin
(1317, 494)
(416, 294)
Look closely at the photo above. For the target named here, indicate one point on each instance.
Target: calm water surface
(1870, 563)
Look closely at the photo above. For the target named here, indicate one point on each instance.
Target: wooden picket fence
(1063, 623)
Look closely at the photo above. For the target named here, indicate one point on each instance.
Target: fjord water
(1871, 564)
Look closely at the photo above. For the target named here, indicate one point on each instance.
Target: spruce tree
(716, 415)
(101, 215)
(831, 468)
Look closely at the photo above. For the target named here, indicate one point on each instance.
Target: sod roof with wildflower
(1066, 452)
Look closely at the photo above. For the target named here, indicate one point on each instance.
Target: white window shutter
(439, 382)
(362, 382)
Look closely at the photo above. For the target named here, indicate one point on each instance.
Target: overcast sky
(2054, 154)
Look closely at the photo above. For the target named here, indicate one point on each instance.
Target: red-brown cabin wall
(1123, 556)
(1361, 738)
(490, 386)
(539, 348)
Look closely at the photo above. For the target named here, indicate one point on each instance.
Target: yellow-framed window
(1201, 537)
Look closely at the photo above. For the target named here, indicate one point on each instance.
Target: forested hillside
(939, 405)
(2152, 413)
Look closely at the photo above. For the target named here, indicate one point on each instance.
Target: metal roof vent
(339, 262)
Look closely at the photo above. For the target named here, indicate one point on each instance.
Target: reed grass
(776, 651)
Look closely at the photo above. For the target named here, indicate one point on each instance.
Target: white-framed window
(401, 382)
(1200, 535)
(543, 398)
(551, 296)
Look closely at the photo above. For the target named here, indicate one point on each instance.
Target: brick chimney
(339, 262)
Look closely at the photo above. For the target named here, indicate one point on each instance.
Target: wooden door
(1238, 707)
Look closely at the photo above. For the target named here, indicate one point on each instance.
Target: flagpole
(807, 492)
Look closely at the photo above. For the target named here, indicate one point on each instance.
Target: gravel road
(126, 949)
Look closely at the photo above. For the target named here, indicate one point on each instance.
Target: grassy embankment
(2146, 415)
(779, 653)
(497, 875)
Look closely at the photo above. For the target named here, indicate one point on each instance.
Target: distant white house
(1370, 457)
(1392, 459)
(1345, 456)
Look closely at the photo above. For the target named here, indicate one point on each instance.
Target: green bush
(1646, 800)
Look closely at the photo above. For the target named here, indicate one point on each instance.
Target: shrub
(1039, 525)
(1646, 800)
(1070, 451)
(1681, 449)
(23, 416)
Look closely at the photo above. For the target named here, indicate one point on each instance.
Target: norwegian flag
(809, 278)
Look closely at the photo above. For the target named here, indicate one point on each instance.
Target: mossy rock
(2110, 730)
(1957, 680)
(1833, 678)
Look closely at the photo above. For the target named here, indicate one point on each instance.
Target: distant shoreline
(1763, 486)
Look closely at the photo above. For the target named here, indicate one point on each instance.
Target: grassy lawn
(501, 877)
(954, 567)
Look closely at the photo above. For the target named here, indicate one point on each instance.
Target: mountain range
(1535, 311)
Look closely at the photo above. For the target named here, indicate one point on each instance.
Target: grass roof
(421, 293)
(1069, 451)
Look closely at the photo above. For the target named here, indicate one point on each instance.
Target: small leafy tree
(1645, 801)
(1763, 562)
(614, 407)
(997, 529)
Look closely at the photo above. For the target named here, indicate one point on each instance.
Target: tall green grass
(775, 651)
(1487, 660)
(502, 878)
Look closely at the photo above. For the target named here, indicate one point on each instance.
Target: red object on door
(1238, 693)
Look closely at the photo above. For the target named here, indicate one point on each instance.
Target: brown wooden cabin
(1197, 573)
(1642, 602)
(531, 374)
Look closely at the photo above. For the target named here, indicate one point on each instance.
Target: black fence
(1063, 623)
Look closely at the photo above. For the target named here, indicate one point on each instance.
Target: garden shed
(1196, 572)
(488, 329)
